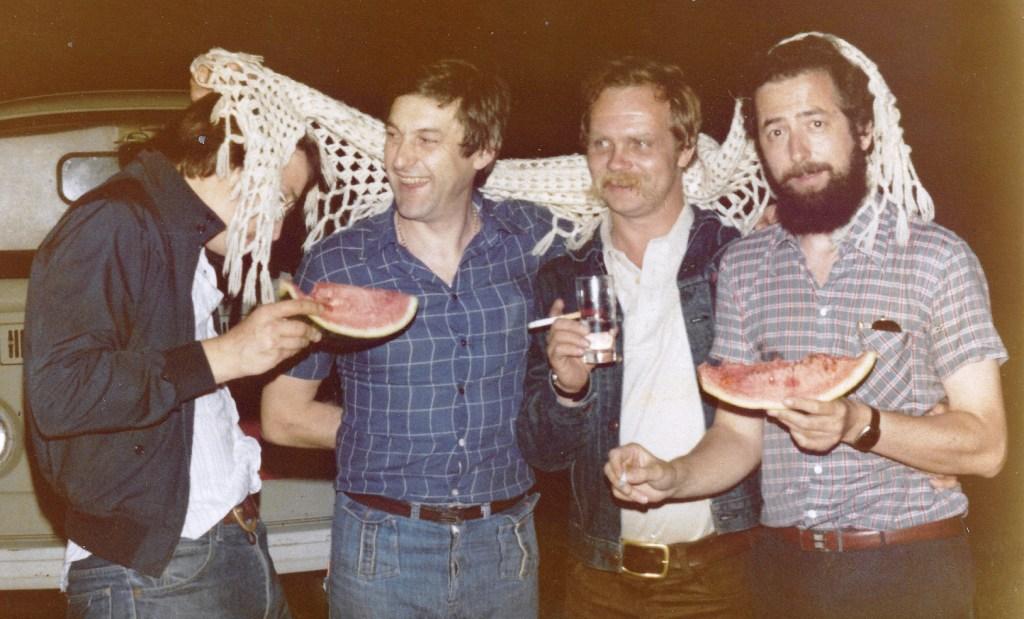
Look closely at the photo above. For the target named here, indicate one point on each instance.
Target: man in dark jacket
(124, 372)
(678, 558)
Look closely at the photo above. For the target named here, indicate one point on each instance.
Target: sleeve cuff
(187, 368)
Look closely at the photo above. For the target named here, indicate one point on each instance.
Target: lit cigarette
(622, 479)
(547, 322)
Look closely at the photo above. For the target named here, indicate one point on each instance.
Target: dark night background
(956, 68)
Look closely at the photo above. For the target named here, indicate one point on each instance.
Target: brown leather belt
(246, 515)
(856, 539)
(448, 514)
(648, 560)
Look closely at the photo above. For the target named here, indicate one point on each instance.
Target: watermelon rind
(290, 289)
(864, 363)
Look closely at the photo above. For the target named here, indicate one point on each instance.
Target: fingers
(556, 307)
(290, 307)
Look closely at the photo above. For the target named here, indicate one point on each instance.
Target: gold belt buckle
(647, 545)
(248, 524)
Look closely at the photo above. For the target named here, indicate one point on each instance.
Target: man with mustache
(853, 525)
(681, 558)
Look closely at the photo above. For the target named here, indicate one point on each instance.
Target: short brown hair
(483, 100)
(669, 85)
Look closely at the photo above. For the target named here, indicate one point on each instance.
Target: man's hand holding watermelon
(264, 339)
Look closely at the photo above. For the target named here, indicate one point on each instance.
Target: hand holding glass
(595, 296)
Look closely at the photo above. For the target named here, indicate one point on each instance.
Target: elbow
(993, 460)
(274, 429)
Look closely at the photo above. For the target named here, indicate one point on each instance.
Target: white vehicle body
(54, 149)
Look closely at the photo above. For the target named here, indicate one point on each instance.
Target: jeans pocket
(188, 564)
(365, 543)
(95, 604)
(517, 541)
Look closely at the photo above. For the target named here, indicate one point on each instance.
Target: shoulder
(111, 216)
(752, 247)
(332, 257)
(518, 216)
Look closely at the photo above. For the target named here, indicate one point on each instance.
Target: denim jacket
(554, 437)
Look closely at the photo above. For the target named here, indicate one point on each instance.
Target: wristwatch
(868, 437)
(575, 397)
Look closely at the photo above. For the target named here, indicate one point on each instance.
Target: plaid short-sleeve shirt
(429, 415)
(770, 306)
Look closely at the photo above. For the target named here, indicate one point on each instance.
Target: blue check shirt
(429, 415)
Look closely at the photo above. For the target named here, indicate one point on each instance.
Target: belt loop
(485, 510)
(414, 511)
(839, 539)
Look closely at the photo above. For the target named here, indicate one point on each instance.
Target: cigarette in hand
(550, 320)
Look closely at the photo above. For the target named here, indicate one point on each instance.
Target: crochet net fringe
(273, 111)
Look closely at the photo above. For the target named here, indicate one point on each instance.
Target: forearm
(968, 439)
(315, 428)
(957, 442)
(93, 389)
(291, 415)
(550, 434)
(727, 453)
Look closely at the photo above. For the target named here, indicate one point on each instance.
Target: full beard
(827, 209)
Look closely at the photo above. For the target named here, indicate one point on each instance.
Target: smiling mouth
(412, 182)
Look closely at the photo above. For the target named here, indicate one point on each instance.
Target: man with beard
(854, 527)
(681, 558)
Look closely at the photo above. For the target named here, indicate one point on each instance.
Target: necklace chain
(401, 237)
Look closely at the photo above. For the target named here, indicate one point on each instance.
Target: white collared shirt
(661, 404)
(225, 462)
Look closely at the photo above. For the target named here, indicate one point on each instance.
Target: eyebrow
(815, 111)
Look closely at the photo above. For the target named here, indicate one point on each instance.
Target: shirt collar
(174, 199)
(856, 235)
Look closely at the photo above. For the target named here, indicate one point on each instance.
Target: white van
(53, 149)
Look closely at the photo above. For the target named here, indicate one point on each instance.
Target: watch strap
(575, 397)
(868, 437)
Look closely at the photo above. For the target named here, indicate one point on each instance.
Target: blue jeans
(218, 575)
(927, 580)
(390, 566)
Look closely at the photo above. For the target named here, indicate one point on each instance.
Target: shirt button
(462, 442)
(455, 492)
(823, 311)
(455, 297)
(812, 513)
(817, 469)
(462, 390)
(463, 342)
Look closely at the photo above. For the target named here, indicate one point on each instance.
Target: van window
(77, 173)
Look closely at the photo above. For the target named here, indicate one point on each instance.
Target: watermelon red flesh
(355, 311)
(765, 385)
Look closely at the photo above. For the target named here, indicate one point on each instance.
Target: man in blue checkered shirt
(854, 525)
(433, 515)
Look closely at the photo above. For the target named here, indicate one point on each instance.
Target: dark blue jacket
(112, 365)
(554, 437)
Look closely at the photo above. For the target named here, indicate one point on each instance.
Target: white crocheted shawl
(272, 112)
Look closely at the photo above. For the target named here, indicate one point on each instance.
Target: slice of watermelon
(765, 385)
(353, 311)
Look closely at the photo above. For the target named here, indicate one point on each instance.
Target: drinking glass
(595, 296)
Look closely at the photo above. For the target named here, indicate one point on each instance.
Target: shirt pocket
(890, 385)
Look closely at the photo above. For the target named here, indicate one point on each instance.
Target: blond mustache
(621, 179)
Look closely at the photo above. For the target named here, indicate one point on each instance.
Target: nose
(799, 149)
(398, 152)
(617, 159)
